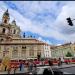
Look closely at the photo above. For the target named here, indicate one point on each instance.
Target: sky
(46, 20)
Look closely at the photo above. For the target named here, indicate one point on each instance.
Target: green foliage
(69, 54)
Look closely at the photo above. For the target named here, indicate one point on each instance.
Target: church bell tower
(5, 18)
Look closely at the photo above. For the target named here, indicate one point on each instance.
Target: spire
(7, 10)
(6, 18)
(6, 13)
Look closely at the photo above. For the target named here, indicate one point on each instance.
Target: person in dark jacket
(5, 68)
(50, 62)
(59, 62)
(20, 66)
(47, 72)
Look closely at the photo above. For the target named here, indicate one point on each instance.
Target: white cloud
(2, 9)
(67, 32)
(59, 44)
(58, 29)
(46, 41)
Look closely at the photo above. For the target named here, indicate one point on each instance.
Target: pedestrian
(20, 66)
(59, 62)
(30, 66)
(35, 69)
(47, 72)
(27, 65)
(50, 63)
(15, 68)
(5, 67)
(62, 60)
(35, 65)
(23, 66)
(9, 70)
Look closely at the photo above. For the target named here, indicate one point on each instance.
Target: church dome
(13, 22)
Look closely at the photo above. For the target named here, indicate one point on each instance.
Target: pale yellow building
(16, 47)
(62, 50)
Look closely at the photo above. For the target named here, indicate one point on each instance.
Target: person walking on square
(23, 66)
(30, 66)
(59, 62)
(5, 68)
(9, 69)
(20, 66)
(15, 68)
(35, 69)
(50, 62)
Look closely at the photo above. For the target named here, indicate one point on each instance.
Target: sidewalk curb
(66, 67)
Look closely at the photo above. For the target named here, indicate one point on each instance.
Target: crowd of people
(31, 67)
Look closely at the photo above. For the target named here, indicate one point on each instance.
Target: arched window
(14, 31)
(3, 30)
(5, 21)
(1, 40)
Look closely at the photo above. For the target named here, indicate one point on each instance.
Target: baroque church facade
(16, 47)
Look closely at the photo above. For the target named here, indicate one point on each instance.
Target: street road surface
(66, 69)
(69, 70)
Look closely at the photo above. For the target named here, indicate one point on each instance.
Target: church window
(15, 47)
(5, 21)
(23, 47)
(1, 40)
(3, 30)
(14, 31)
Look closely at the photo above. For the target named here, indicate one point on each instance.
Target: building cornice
(21, 43)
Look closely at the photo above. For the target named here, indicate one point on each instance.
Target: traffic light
(69, 21)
